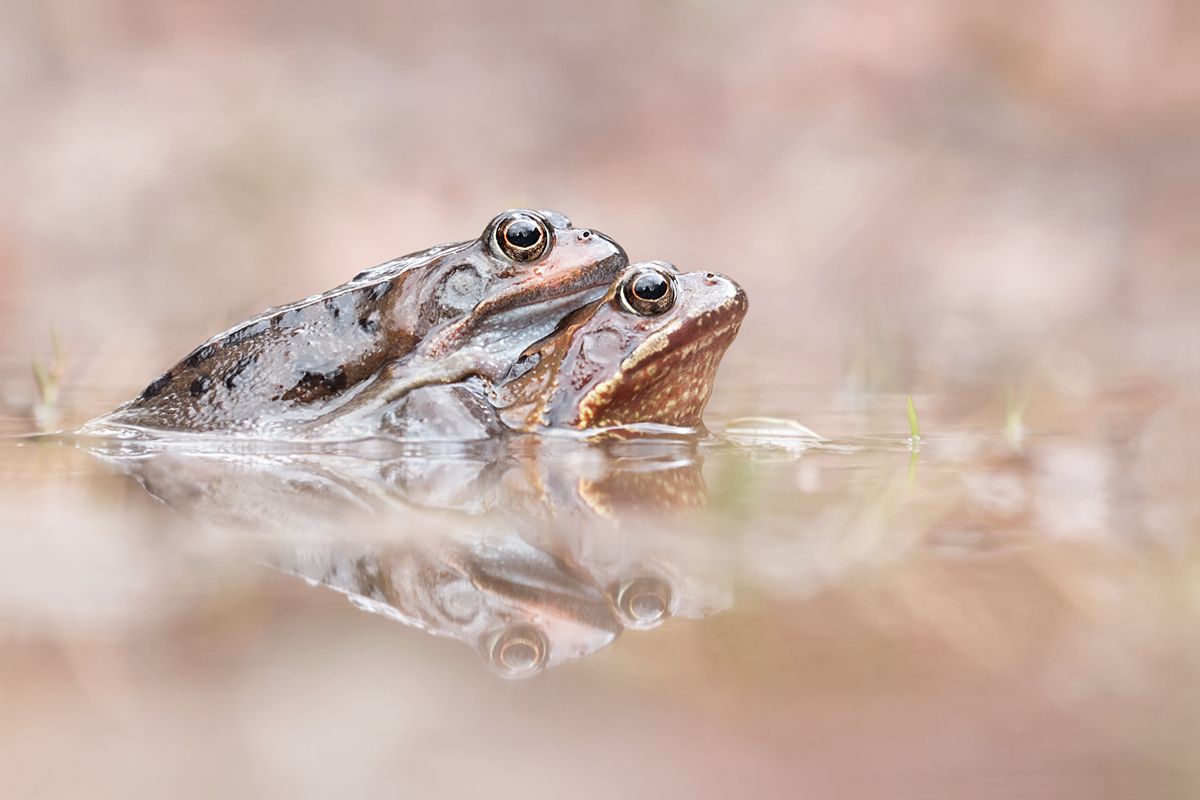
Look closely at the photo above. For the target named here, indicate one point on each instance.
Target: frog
(435, 316)
(643, 355)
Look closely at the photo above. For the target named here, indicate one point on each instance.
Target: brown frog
(435, 316)
(646, 352)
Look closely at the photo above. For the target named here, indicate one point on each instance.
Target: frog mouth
(669, 379)
(712, 330)
(690, 355)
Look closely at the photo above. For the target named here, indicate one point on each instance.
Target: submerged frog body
(647, 352)
(435, 316)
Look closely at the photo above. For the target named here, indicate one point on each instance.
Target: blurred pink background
(912, 193)
(930, 197)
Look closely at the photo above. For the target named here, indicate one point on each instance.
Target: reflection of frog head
(511, 602)
(521, 608)
(646, 353)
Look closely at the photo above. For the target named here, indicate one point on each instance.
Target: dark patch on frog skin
(199, 386)
(316, 385)
(199, 356)
(155, 388)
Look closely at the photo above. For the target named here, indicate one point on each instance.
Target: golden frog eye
(518, 651)
(523, 237)
(648, 292)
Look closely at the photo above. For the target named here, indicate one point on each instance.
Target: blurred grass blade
(1014, 415)
(914, 442)
(49, 381)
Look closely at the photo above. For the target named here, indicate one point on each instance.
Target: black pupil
(650, 287)
(522, 233)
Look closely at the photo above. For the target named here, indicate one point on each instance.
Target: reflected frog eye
(518, 652)
(648, 292)
(643, 602)
(523, 237)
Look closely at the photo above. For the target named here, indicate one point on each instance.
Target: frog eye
(518, 651)
(648, 292)
(643, 602)
(523, 237)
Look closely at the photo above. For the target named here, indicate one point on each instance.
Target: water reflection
(532, 552)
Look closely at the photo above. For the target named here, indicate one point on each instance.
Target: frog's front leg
(360, 413)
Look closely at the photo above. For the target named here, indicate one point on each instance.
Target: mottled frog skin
(326, 366)
(646, 352)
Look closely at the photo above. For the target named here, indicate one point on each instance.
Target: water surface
(990, 206)
(1004, 612)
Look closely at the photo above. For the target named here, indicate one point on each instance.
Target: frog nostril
(585, 235)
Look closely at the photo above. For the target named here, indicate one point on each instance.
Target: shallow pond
(991, 206)
(996, 611)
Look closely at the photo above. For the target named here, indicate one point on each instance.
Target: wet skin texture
(431, 317)
(609, 364)
(624, 360)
